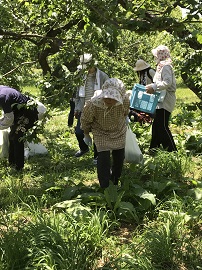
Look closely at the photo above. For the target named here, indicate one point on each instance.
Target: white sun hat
(114, 88)
(161, 52)
(85, 58)
(141, 65)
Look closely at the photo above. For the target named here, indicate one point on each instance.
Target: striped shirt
(89, 86)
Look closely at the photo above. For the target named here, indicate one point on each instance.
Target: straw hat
(141, 65)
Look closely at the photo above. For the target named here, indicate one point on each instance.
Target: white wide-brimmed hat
(141, 65)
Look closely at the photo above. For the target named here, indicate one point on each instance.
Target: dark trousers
(80, 136)
(23, 120)
(161, 134)
(105, 171)
(71, 113)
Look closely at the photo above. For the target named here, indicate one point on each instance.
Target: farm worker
(144, 71)
(145, 75)
(164, 81)
(19, 116)
(92, 81)
(105, 116)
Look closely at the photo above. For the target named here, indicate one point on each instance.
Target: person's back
(105, 116)
(19, 119)
(10, 96)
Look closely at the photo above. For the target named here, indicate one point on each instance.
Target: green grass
(54, 215)
(186, 95)
(32, 90)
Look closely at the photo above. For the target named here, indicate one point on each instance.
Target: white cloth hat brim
(154, 52)
(113, 94)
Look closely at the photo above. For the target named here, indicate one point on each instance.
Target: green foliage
(58, 90)
(191, 71)
(55, 241)
(52, 35)
(33, 134)
(54, 215)
(194, 143)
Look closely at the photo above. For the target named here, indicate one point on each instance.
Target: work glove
(127, 120)
(87, 139)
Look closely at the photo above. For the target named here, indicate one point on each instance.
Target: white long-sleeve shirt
(165, 80)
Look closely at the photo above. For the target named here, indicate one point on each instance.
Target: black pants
(23, 120)
(105, 171)
(71, 113)
(161, 134)
(80, 136)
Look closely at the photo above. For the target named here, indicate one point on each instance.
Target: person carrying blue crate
(165, 83)
(144, 71)
(145, 75)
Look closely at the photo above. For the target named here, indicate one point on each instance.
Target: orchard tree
(52, 34)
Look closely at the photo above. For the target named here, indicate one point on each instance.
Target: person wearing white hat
(105, 116)
(164, 80)
(91, 82)
(144, 71)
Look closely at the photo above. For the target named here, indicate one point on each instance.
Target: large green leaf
(73, 207)
(196, 192)
(142, 193)
(89, 197)
(127, 211)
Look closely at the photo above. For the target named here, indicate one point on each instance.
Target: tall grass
(52, 241)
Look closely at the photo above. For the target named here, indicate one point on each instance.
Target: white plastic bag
(32, 149)
(41, 108)
(37, 149)
(4, 143)
(133, 153)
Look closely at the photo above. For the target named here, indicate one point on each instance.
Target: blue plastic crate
(142, 101)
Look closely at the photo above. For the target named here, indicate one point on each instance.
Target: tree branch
(24, 63)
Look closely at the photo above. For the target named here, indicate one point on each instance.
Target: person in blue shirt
(19, 116)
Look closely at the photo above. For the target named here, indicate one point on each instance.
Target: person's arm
(6, 121)
(103, 78)
(7, 114)
(166, 78)
(87, 117)
(86, 122)
(164, 83)
(126, 104)
(152, 73)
